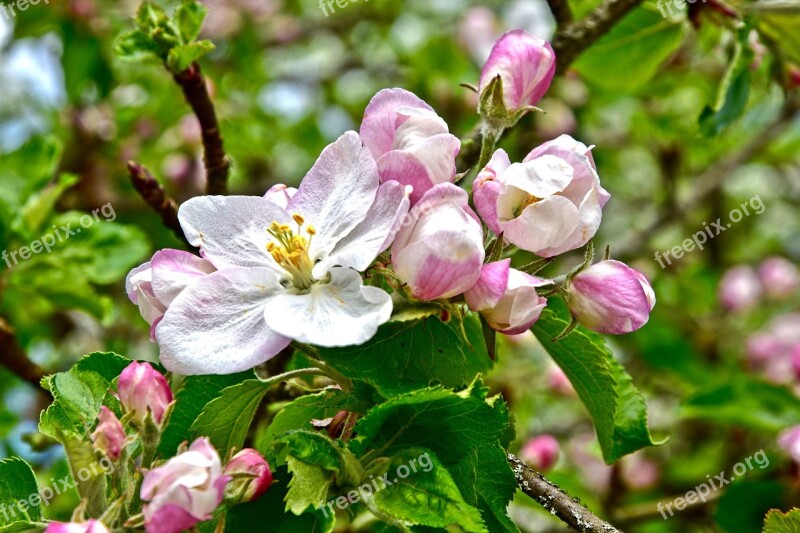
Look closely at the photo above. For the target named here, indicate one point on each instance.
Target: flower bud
(251, 476)
(610, 297)
(141, 389)
(109, 435)
(507, 298)
(487, 187)
(184, 491)
(789, 441)
(438, 251)
(740, 288)
(779, 277)
(541, 452)
(92, 526)
(522, 67)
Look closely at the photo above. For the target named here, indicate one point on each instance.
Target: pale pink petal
(280, 194)
(407, 169)
(337, 192)
(174, 270)
(342, 312)
(490, 287)
(217, 325)
(379, 124)
(543, 225)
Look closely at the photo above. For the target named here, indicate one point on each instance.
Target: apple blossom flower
(142, 388)
(779, 277)
(739, 288)
(526, 65)
(109, 435)
(256, 476)
(280, 195)
(611, 297)
(506, 297)
(789, 441)
(541, 452)
(91, 526)
(185, 490)
(549, 204)
(285, 274)
(409, 141)
(155, 284)
(439, 253)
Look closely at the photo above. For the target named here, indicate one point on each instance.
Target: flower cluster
(383, 204)
(186, 489)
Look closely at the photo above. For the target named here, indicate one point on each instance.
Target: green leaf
(632, 52)
(78, 395)
(427, 496)
(251, 516)
(190, 399)
(189, 16)
(226, 419)
(40, 205)
(734, 90)
(23, 527)
(617, 408)
(317, 449)
(780, 25)
(182, 56)
(308, 487)
(407, 356)
(135, 46)
(778, 522)
(745, 401)
(17, 484)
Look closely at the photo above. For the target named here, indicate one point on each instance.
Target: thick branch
(569, 42)
(217, 164)
(13, 357)
(154, 195)
(559, 503)
(561, 11)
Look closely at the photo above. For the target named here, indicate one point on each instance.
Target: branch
(154, 195)
(561, 11)
(13, 357)
(559, 503)
(217, 163)
(569, 42)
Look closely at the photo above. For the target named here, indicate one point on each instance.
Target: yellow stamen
(291, 252)
(299, 219)
(311, 230)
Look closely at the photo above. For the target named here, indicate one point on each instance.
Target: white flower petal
(374, 235)
(543, 225)
(337, 192)
(216, 326)
(231, 231)
(542, 177)
(342, 312)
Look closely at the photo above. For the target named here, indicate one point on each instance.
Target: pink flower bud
(280, 195)
(92, 526)
(526, 65)
(507, 298)
(779, 277)
(638, 472)
(185, 490)
(255, 472)
(439, 248)
(109, 435)
(740, 288)
(141, 389)
(541, 452)
(789, 441)
(409, 141)
(611, 297)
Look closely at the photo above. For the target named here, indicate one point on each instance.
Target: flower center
(530, 200)
(290, 250)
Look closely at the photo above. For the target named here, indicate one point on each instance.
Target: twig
(154, 195)
(217, 163)
(561, 11)
(570, 41)
(13, 357)
(556, 501)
